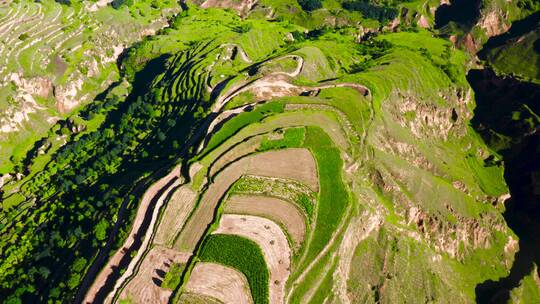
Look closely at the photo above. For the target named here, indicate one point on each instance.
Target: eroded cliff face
(470, 24)
(56, 58)
(441, 193)
(442, 223)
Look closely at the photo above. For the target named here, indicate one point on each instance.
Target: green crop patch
(293, 137)
(288, 190)
(333, 196)
(242, 254)
(173, 277)
(241, 120)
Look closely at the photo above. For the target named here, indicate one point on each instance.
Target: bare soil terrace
(146, 286)
(273, 242)
(282, 212)
(296, 164)
(175, 215)
(217, 281)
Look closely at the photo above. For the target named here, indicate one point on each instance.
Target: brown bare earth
(242, 6)
(114, 261)
(296, 164)
(192, 298)
(222, 283)
(282, 212)
(175, 215)
(145, 287)
(273, 242)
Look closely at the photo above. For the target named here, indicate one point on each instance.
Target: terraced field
(259, 158)
(56, 57)
(286, 161)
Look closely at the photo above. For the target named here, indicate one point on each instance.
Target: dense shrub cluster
(372, 11)
(370, 50)
(118, 3)
(310, 5)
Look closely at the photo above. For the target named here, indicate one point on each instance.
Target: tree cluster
(310, 5)
(372, 11)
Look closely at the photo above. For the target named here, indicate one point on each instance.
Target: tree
(310, 5)
(100, 230)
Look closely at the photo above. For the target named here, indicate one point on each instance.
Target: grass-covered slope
(405, 191)
(518, 57)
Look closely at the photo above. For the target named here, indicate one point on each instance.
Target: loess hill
(261, 152)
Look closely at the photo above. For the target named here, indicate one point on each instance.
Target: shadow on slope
(506, 117)
(462, 12)
(518, 28)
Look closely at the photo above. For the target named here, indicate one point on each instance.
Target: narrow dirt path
(359, 229)
(114, 262)
(146, 242)
(271, 78)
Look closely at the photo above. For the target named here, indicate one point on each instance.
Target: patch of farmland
(244, 148)
(285, 189)
(285, 120)
(297, 164)
(272, 241)
(282, 212)
(175, 215)
(289, 119)
(242, 254)
(226, 284)
(146, 286)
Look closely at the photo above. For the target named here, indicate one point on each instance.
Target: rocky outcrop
(38, 86)
(242, 7)
(66, 95)
(27, 89)
(494, 23)
(423, 22)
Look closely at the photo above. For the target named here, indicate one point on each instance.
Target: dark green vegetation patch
(242, 254)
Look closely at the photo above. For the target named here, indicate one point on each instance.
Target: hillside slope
(269, 152)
